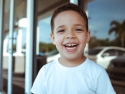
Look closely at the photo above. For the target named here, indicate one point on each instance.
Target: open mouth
(71, 47)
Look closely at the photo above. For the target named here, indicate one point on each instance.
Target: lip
(71, 49)
(70, 43)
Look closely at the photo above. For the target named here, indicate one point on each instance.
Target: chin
(71, 57)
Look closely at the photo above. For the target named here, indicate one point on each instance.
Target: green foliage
(94, 42)
(119, 30)
(46, 47)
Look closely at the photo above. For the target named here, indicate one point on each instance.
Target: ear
(52, 38)
(87, 36)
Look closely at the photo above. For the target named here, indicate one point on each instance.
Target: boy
(72, 73)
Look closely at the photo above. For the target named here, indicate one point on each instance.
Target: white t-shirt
(87, 78)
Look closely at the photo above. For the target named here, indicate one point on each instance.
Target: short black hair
(66, 7)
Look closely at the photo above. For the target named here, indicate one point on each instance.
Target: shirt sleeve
(38, 85)
(104, 85)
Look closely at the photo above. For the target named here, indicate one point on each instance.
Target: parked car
(116, 69)
(100, 55)
(52, 55)
(103, 55)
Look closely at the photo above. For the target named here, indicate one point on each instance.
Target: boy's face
(70, 35)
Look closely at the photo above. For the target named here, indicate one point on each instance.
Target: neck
(71, 62)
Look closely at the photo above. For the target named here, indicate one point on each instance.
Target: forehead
(68, 18)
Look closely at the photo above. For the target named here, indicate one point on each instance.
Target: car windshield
(94, 51)
(53, 53)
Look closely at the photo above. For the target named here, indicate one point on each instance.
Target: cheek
(58, 43)
(58, 40)
(83, 39)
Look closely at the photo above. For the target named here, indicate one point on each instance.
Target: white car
(103, 55)
(100, 55)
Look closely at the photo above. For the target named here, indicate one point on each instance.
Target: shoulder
(94, 69)
(98, 75)
(43, 75)
(94, 66)
(49, 66)
(101, 79)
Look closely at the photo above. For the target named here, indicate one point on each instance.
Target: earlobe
(88, 36)
(52, 38)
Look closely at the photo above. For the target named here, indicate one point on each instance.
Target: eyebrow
(60, 26)
(79, 25)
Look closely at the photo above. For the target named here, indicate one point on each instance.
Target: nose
(70, 35)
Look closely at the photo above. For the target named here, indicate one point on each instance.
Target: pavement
(19, 82)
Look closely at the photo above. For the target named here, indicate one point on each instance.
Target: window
(94, 51)
(111, 52)
(120, 52)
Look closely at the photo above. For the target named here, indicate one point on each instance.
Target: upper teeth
(71, 44)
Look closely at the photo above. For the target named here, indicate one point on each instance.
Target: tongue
(70, 49)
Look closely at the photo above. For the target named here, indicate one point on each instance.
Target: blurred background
(34, 47)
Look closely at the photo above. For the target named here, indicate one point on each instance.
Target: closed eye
(60, 31)
(78, 29)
